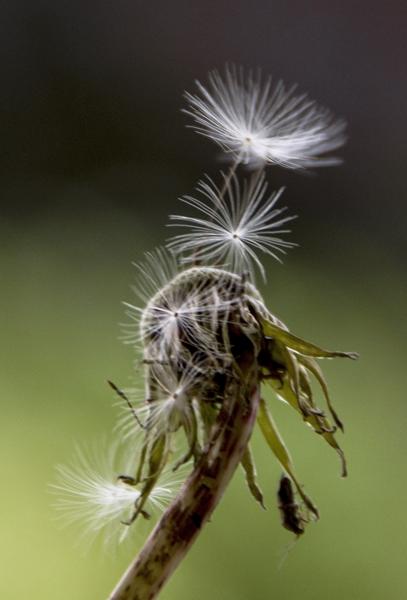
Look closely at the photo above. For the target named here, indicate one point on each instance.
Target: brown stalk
(182, 522)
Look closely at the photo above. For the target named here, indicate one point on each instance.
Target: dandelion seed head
(207, 339)
(225, 296)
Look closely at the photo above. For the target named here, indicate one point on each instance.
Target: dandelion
(232, 227)
(210, 344)
(258, 124)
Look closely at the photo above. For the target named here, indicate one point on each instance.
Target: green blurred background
(95, 154)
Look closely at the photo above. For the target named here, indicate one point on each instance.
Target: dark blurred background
(94, 155)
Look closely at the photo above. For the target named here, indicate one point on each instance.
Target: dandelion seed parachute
(260, 124)
(171, 403)
(233, 226)
(90, 491)
(153, 273)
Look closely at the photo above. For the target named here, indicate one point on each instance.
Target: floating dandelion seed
(234, 226)
(258, 124)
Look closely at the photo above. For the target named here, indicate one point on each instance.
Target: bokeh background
(94, 156)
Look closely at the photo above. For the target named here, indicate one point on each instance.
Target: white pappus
(258, 123)
(234, 223)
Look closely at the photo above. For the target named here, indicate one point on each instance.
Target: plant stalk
(182, 522)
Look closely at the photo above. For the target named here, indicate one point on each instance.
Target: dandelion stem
(182, 522)
(229, 176)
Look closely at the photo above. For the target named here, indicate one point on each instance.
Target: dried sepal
(249, 468)
(277, 445)
(313, 367)
(296, 343)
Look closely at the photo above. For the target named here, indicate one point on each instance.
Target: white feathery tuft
(171, 404)
(90, 492)
(153, 273)
(172, 319)
(234, 226)
(260, 124)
